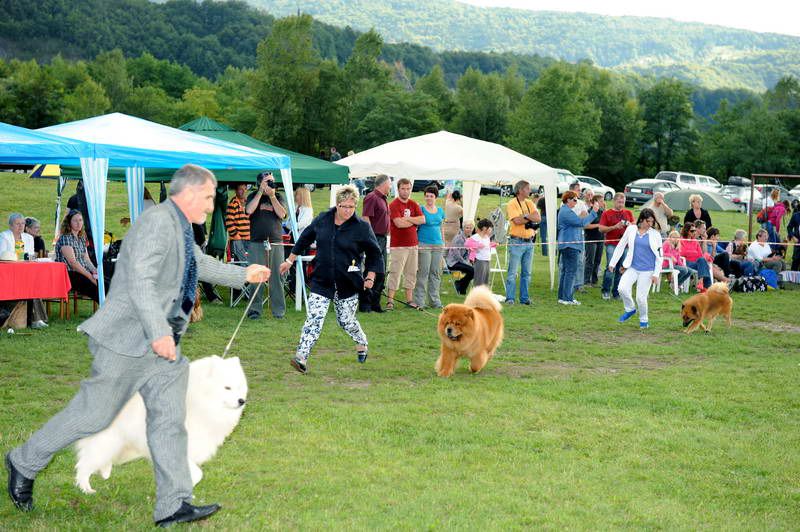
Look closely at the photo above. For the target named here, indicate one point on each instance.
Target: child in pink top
(480, 249)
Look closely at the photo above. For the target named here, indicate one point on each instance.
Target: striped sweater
(236, 220)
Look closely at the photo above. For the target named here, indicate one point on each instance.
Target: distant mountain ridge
(710, 56)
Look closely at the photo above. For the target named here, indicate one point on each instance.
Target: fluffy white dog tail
(482, 297)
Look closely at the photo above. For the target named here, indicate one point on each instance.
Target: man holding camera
(612, 224)
(266, 209)
(524, 220)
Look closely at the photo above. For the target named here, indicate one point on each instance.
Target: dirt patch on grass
(774, 327)
(347, 383)
(565, 369)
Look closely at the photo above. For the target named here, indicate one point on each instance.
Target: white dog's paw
(84, 486)
(105, 471)
(196, 472)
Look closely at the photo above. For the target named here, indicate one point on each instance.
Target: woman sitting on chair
(71, 250)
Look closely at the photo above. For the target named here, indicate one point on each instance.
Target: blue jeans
(566, 277)
(608, 277)
(520, 252)
(543, 235)
(703, 271)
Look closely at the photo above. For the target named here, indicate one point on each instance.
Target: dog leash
(235, 332)
(409, 305)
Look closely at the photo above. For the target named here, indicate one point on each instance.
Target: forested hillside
(711, 56)
(205, 36)
(307, 86)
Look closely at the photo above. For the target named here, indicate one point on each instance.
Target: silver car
(740, 195)
(596, 186)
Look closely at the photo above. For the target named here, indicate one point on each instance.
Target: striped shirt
(78, 246)
(236, 220)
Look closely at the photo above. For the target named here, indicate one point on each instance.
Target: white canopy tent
(446, 155)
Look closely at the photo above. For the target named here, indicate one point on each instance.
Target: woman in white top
(642, 264)
(305, 212)
(15, 239)
(760, 251)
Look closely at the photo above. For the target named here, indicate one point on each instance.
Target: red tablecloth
(33, 280)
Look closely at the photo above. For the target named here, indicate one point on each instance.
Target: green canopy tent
(305, 169)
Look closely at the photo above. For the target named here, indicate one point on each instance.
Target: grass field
(579, 422)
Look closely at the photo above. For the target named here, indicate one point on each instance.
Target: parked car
(564, 178)
(795, 192)
(596, 186)
(422, 184)
(686, 180)
(766, 191)
(499, 188)
(740, 195)
(641, 191)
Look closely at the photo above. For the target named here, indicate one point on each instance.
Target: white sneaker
(562, 302)
(38, 324)
(574, 302)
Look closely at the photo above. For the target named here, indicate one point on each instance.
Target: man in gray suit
(135, 341)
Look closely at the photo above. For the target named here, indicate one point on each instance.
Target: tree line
(573, 116)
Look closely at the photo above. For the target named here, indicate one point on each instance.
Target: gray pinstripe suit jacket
(147, 282)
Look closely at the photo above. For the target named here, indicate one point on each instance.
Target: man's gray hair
(381, 179)
(14, 216)
(190, 175)
(739, 234)
(519, 185)
(345, 193)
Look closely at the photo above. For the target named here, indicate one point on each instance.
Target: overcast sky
(776, 16)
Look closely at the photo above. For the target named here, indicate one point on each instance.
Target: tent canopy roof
(24, 146)
(305, 169)
(129, 141)
(445, 155)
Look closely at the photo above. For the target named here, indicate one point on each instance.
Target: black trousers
(463, 283)
(370, 300)
(83, 286)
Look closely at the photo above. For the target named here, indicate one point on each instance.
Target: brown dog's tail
(719, 287)
(482, 297)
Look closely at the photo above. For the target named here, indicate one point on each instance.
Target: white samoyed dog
(215, 398)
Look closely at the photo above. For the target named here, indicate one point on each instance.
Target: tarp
(446, 155)
(679, 201)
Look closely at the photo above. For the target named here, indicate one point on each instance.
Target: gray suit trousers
(114, 380)
(256, 254)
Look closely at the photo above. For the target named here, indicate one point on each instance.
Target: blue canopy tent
(122, 141)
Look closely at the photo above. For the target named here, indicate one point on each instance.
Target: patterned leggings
(315, 317)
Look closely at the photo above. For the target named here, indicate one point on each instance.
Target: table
(33, 280)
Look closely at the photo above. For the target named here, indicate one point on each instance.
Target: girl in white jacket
(641, 265)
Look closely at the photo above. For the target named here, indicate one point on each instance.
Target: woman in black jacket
(341, 239)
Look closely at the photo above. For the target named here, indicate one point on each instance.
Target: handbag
(762, 215)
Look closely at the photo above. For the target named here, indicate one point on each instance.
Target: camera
(625, 223)
(532, 225)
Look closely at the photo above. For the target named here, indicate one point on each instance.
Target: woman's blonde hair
(302, 197)
(775, 194)
(345, 193)
(696, 197)
(674, 234)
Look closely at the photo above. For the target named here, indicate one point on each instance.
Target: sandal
(389, 305)
(414, 306)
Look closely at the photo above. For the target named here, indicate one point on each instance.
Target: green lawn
(579, 422)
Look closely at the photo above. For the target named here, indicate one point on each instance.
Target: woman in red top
(691, 251)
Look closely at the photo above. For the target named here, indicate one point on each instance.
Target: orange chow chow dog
(473, 330)
(713, 303)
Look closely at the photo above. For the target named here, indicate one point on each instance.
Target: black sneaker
(299, 366)
(362, 356)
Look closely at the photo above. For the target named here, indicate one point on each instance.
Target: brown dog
(708, 306)
(473, 330)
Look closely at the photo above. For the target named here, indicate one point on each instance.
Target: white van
(686, 180)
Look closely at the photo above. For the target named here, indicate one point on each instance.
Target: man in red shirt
(612, 224)
(376, 214)
(405, 215)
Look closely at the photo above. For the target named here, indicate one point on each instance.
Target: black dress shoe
(20, 488)
(187, 513)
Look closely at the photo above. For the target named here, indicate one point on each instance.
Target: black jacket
(338, 249)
